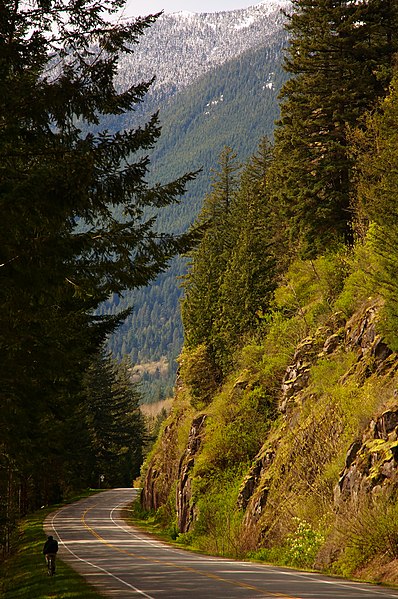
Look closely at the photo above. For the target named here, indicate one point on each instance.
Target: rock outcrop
(373, 355)
(323, 343)
(185, 508)
(370, 461)
(162, 470)
(301, 455)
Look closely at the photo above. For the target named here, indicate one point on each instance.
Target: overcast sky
(146, 7)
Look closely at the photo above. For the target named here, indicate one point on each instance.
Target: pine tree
(340, 58)
(114, 422)
(201, 306)
(376, 151)
(251, 272)
(73, 199)
(233, 273)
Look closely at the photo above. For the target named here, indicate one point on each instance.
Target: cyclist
(50, 550)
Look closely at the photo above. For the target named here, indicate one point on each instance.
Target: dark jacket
(50, 546)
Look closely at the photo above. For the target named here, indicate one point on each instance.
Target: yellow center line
(244, 585)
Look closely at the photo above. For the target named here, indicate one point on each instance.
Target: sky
(146, 7)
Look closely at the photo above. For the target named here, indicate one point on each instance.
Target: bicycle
(50, 557)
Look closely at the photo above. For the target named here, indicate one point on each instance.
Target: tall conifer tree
(251, 272)
(201, 306)
(114, 422)
(340, 58)
(73, 228)
(376, 149)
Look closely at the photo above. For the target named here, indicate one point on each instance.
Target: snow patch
(269, 83)
(246, 22)
(213, 103)
(274, 3)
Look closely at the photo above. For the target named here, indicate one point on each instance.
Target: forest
(303, 231)
(192, 136)
(315, 192)
(282, 442)
(74, 231)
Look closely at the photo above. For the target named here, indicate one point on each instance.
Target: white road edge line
(310, 577)
(350, 586)
(130, 531)
(94, 565)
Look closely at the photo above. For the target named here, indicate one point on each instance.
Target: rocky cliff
(370, 463)
(332, 446)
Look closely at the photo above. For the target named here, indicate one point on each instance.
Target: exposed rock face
(371, 463)
(185, 509)
(297, 374)
(162, 471)
(256, 472)
(360, 334)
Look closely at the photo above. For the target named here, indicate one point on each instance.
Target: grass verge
(24, 574)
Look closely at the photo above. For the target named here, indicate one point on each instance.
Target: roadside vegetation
(302, 454)
(24, 573)
(290, 320)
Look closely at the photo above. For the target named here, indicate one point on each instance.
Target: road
(122, 562)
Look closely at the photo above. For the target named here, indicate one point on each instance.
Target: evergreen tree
(201, 306)
(340, 58)
(73, 228)
(376, 151)
(233, 273)
(114, 422)
(251, 272)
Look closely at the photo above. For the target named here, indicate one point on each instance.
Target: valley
(218, 76)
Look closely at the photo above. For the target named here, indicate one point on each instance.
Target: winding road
(122, 562)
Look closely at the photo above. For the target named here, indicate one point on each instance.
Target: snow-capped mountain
(182, 46)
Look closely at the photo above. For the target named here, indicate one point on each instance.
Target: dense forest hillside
(83, 191)
(181, 47)
(282, 442)
(234, 104)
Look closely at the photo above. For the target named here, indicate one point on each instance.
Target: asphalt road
(122, 562)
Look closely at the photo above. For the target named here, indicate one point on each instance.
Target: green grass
(24, 574)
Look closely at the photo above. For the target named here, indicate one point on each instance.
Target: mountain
(181, 47)
(217, 81)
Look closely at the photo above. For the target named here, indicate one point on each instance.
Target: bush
(303, 545)
(272, 555)
(371, 531)
(237, 424)
(199, 374)
(360, 283)
(312, 286)
(218, 529)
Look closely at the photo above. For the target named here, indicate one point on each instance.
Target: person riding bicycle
(50, 550)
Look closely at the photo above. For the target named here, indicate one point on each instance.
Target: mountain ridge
(196, 43)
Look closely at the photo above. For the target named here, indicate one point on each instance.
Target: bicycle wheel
(51, 565)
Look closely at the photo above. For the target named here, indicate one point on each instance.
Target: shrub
(199, 374)
(218, 529)
(237, 425)
(359, 283)
(371, 530)
(311, 287)
(303, 545)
